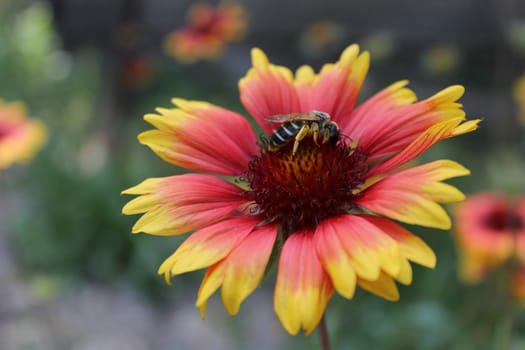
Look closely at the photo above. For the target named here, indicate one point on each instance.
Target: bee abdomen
(284, 133)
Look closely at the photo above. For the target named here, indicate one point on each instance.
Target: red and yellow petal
(412, 195)
(373, 245)
(381, 243)
(360, 252)
(389, 122)
(303, 288)
(245, 267)
(182, 203)
(210, 283)
(404, 275)
(422, 143)
(410, 246)
(202, 137)
(335, 259)
(384, 286)
(207, 246)
(268, 90)
(367, 121)
(240, 272)
(334, 90)
(366, 244)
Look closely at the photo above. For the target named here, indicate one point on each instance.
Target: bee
(299, 125)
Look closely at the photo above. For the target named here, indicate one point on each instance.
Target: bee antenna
(346, 137)
(350, 142)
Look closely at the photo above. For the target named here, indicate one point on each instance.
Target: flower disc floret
(299, 190)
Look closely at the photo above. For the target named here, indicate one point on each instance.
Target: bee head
(333, 131)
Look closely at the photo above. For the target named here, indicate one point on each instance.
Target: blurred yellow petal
(210, 283)
(384, 286)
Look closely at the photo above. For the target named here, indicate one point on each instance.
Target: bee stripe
(290, 133)
(285, 132)
(276, 135)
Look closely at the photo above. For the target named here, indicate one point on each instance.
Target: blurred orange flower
(208, 32)
(490, 229)
(20, 138)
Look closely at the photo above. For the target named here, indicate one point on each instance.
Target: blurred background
(71, 274)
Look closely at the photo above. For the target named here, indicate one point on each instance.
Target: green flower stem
(323, 334)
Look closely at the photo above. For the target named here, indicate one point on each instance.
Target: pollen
(299, 190)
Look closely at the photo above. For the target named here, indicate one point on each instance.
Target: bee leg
(300, 135)
(326, 135)
(315, 131)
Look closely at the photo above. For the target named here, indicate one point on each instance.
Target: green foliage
(69, 222)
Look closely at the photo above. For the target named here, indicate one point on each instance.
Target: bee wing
(281, 118)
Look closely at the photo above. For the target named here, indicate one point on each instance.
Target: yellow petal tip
(350, 53)
(449, 94)
(259, 58)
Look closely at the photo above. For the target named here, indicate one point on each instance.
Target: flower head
(20, 138)
(208, 31)
(490, 229)
(320, 193)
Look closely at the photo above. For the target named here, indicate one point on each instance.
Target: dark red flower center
(503, 220)
(298, 191)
